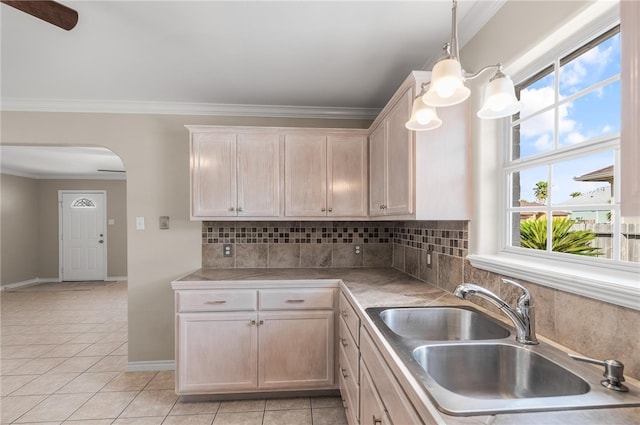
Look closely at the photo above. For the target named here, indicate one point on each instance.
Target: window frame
(614, 282)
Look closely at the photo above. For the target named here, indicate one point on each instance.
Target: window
(562, 167)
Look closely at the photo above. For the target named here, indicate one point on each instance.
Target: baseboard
(116, 279)
(151, 365)
(28, 282)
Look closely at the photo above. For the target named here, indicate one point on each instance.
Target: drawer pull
(376, 421)
(216, 302)
(295, 301)
(343, 341)
(343, 371)
(344, 313)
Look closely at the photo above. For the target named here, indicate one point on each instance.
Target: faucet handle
(525, 298)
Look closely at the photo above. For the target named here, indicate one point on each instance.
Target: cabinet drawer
(349, 387)
(350, 318)
(216, 300)
(349, 346)
(400, 409)
(296, 299)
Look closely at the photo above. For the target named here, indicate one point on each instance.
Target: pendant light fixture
(447, 88)
(423, 116)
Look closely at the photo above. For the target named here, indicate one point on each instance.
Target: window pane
(529, 187)
(536, 135)
(630, 239)
(582, 181)
(593, 115)
(532, 228)
(592, 66)
(587, 233)
(537, 95)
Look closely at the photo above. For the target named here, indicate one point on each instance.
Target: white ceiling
(282, 58)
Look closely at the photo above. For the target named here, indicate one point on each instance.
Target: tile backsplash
(297, 244)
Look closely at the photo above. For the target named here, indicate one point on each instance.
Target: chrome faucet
(523, 316)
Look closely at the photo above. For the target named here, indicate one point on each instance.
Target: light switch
(111, 222)
(164, 222)
(139, 223)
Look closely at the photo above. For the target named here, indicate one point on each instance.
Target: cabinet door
(347, 176)
(216, 352)
(213, 174)
(305, 160)
(372, 411)
(377, 171)
(399, 158)
(296, 350)
(258, 175)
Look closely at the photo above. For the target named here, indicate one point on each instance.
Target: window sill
(609, 285)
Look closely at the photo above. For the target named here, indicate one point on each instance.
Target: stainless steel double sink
(470, 364)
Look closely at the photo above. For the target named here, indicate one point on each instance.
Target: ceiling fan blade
(49, 11)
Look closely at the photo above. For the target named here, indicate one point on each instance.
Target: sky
(592, 115)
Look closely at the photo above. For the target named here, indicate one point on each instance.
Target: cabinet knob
(231, 209)
(381, 207)
(253, 322)
(343, 341)
(261, 322)
(344, 313)
(239, 209)
(323, 209)
(343, 371)
(376, 421)
(330, 209)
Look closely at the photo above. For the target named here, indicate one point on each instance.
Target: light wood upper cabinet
(235, 173)
(305, 174)
(347, 176)
(391, 160)
(213, 174)
(258, 175)
(419, 175)
(325, 174)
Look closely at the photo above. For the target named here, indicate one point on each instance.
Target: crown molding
(178, 108)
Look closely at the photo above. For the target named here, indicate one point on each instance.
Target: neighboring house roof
(602, 195)
(602, 175)
(536, 214)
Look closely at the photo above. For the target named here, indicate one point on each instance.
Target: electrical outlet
(357, 249)
(429, 259)
(227, 250)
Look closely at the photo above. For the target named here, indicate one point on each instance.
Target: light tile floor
(63, 357)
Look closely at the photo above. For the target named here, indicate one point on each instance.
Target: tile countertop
(385, 287)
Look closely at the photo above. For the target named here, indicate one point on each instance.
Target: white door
(83, 236)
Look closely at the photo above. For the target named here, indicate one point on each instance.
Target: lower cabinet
(219, 351)
(385, 385)
(371, 393)
(295, 350)
(216, 352)
(372, 410)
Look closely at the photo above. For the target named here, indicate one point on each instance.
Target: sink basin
(468, 364)
(497, 371)
(441, 324)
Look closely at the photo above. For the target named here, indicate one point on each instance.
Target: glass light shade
(447, 87)
(423, 117)
(499, 99)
